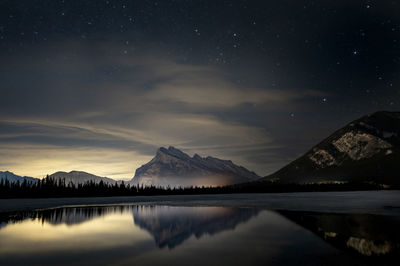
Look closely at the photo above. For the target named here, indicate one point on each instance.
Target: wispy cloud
(106, 112)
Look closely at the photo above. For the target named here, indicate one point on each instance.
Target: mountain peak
(80, 177)
(366, 149)
(172, 151)
(197, 157)
(172, 148)
(175, 168)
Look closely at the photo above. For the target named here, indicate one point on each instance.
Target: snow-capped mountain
(11, 177)
(367, 149)
(172, 167)
(79, 177)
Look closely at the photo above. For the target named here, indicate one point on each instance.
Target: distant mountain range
(172, 167)
(11, 177)
(76, 177)
(365, 150)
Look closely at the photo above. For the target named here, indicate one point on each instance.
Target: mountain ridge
(366, 149)
(11, 177)
(175, 168)
(80, 177)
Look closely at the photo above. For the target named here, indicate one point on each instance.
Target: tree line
(51, 188)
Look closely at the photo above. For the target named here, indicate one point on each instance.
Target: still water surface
(170, 235)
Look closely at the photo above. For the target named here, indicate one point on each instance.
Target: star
(355, 52)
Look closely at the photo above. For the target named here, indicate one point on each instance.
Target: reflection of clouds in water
(171, 226)
(97, 232)
(92, 229)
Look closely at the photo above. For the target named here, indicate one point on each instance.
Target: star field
(284, 74)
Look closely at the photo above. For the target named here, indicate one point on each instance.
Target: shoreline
(383, 202)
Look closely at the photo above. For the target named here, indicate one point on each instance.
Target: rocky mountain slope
(172, 167)
(79, 177)
(367, 149)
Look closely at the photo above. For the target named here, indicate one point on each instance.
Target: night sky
(99, 85)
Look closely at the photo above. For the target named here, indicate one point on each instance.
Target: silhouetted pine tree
(49, 187)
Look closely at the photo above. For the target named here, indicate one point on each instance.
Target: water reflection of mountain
(170, 226)
(365, 234)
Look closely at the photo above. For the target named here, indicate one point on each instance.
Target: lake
(196, 235)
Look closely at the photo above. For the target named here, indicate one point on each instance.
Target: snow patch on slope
(322, 158)
(360, 145)
(388, 152)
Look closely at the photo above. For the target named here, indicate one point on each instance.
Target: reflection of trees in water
(368, 235)
(365, 234)
(170, 226)
(71, 216)
(68, 215)
(3, 224)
